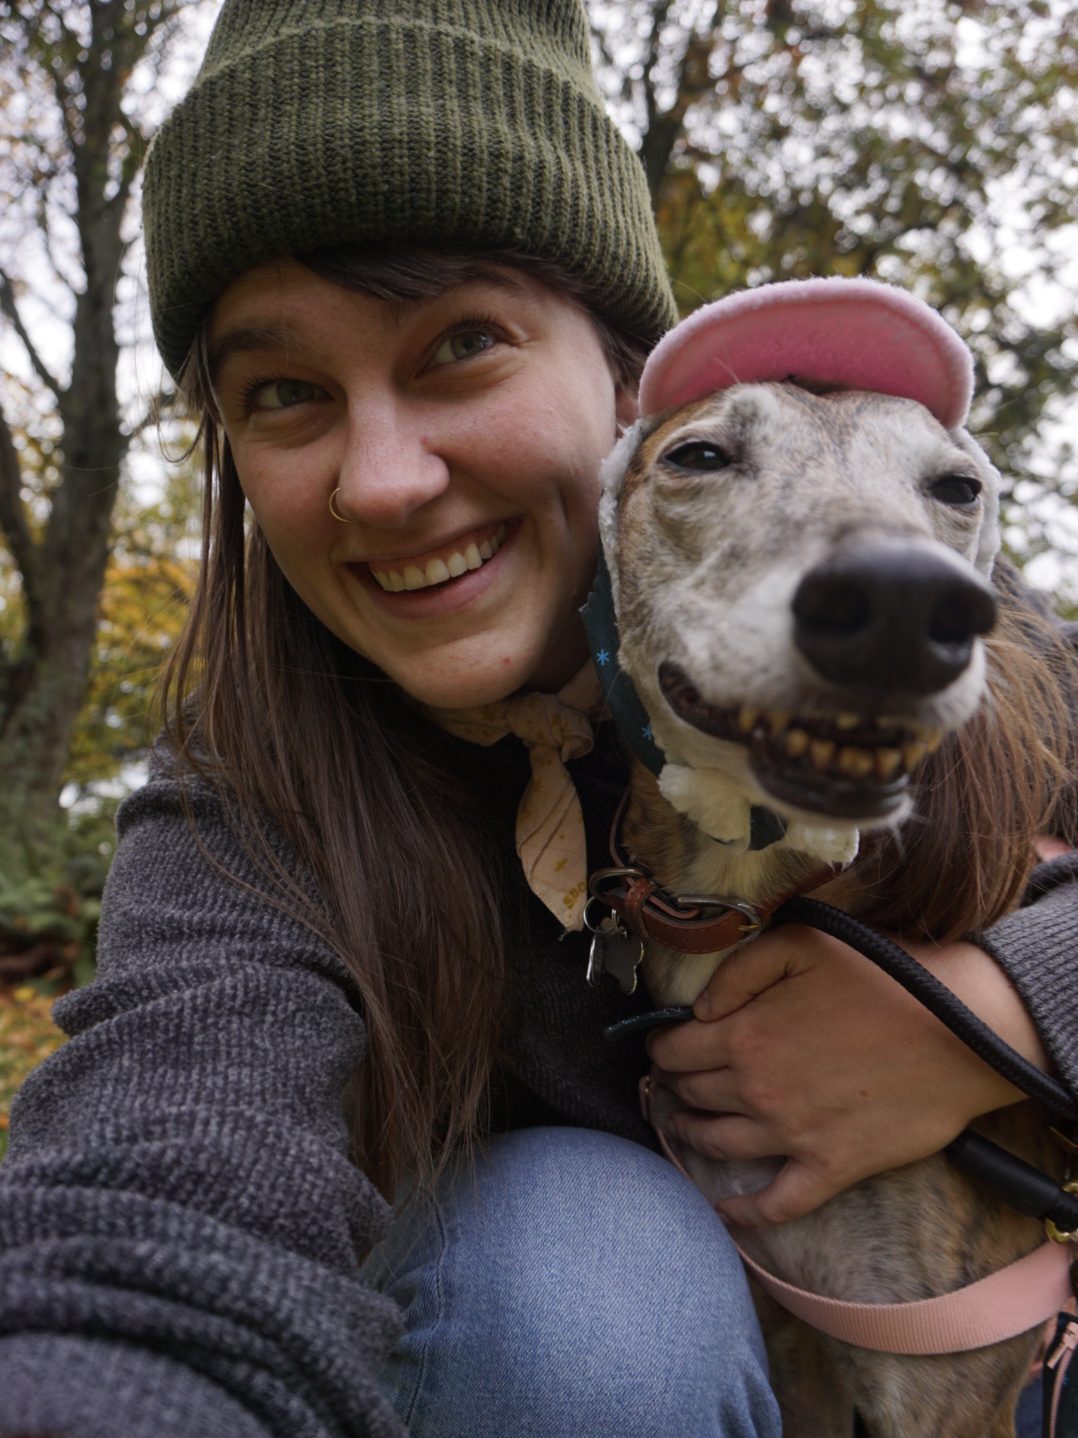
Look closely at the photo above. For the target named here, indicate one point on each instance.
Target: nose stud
(333, 508)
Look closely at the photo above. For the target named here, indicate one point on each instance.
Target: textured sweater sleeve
(180, 1226)
(1037, 946)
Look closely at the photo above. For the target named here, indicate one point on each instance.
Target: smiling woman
(404, 269)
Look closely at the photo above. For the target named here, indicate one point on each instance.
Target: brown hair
(388, 813)
(962, 860)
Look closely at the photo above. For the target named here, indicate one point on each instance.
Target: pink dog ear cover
(831, 333)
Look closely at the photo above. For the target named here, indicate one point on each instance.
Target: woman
(407, 268)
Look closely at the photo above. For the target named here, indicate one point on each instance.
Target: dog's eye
(955, 489)
(698, 455)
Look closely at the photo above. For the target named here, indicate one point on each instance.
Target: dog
(801, 539)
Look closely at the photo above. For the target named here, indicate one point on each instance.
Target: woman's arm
(179, 1221)
(807, 1050)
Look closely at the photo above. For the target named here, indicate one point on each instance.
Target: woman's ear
(625, 407)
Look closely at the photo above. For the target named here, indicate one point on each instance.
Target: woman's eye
(955, 489)
(698, 455)
(276, 394)
(462, 344)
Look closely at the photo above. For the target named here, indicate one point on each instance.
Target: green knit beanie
(452, 124)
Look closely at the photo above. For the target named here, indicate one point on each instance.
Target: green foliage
(50, 900)
(27, 1036)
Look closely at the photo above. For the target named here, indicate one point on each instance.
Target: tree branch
(607, 63)
(13, 522)
(11, 309)
(658, 20)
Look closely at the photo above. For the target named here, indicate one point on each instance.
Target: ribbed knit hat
(452, 124)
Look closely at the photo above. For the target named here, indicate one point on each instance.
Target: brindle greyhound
(800, 538)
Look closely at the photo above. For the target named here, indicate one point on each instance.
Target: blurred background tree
(95, 538)
(73, 85)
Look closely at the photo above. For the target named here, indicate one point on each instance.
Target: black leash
(936, 997)
(1018, 1183)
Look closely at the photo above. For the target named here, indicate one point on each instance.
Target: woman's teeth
(437, 571)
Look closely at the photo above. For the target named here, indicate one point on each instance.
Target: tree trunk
(44, 672)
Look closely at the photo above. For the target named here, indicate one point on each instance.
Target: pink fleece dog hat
(835, 333)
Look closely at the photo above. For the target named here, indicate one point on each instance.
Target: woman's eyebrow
(247, 338)
(254, 335)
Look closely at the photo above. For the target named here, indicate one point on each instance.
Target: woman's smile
(428, 597)
(440, 564)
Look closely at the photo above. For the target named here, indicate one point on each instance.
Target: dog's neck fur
(686, 859)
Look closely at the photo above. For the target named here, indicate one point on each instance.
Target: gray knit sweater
(179, 1222)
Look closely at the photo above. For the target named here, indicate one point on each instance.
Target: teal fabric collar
(618, 690)
(630, 716)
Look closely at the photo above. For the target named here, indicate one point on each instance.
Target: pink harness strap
(1010, 1301)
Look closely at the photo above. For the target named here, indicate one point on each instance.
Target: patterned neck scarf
(550, 823)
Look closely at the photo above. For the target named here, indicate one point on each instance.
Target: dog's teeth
(747, 718)
(779, 719)
(822, 751)
(914, 752)
(847, 721)
(933, 739)
(856, 763)
(888, 762)
(796, 743)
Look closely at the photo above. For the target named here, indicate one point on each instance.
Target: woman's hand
(801, 1047)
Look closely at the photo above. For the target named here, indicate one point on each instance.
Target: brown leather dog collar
(690, 924)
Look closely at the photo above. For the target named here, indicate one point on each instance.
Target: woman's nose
(389, 468)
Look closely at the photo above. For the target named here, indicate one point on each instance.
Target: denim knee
(572, 1283)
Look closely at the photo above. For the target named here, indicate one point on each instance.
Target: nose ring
(333, 508)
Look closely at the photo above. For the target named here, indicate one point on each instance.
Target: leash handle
(937, 998)
(1016, 1182)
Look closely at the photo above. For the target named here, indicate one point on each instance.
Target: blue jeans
(572, 1283)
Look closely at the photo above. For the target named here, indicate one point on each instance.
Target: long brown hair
(1008, 775)
(386, 812)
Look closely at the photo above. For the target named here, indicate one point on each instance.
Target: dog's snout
(888, 616)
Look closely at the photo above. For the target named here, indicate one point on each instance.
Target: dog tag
(616, 952)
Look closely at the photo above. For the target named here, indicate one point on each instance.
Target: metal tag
(616, 952)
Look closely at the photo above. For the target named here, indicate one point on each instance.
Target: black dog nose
(889, 615)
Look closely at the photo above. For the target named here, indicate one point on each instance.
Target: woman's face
(462, 436)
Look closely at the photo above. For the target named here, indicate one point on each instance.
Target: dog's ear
(615, 468)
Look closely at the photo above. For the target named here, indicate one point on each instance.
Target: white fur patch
(831, 843)
(705, 797)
